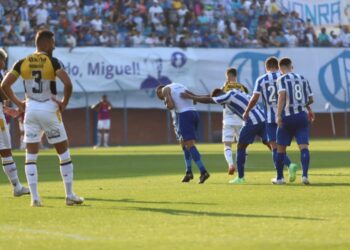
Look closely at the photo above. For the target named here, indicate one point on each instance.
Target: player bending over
(188, 122)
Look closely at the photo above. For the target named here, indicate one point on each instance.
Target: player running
(188, 122)
(104, 121)
(8, 164)
(231, 124)
(294, 99)
(266, 86)
(43, 111)
(237, 102)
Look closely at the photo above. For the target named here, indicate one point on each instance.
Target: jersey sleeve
(257, 87)
(222, 99)
(281, 84)
(308, 89)
(57, 64)
(16, 68)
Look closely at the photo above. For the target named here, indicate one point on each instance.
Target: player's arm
(280, 105)
(6, 85)
(310, 113)
(253, 100)
(197, 98)
(168, 100)
(67, 89)
(96, 106)
(109, 106)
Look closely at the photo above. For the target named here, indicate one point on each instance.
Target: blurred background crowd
(164, 23)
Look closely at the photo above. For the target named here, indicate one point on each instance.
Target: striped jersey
(297, 90)
(237, 102)
(266, 86)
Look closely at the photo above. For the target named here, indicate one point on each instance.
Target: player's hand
(61, 105)
(245, 115)
(311, 116)
(279, 122)
(21, 107)
(11, 112)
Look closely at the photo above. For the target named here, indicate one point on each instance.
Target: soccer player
(8, 164)
(294, 99)
(43, 111)
(104, 121)
(188, 122)
(231, 124)
(266, 86)
(237, 102)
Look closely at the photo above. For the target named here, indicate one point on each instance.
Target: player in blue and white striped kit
(294, 99)
(266, 87)
(237, 102)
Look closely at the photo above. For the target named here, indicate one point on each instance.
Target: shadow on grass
(137, 201)
(217, 214)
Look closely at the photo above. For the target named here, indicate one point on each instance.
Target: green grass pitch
(135, 200)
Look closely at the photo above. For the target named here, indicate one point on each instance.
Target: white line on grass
(7, 228)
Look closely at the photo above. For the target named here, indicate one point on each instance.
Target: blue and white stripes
(297, 90)
(237, 102)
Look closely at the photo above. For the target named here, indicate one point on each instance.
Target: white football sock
(105, 139)
(32, 175)
(228, 155)
(66, 169)
(10, 170)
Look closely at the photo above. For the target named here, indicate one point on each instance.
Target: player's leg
(99, 133)
(188, 162)
(246, 137)
(284, 138)
(32, 150)
(10, 169)
(107, 126)
(32, 138)
(302, 138)
(56, 135)
(271, 129)
(188, 123)
(227, 139)
(229, 157)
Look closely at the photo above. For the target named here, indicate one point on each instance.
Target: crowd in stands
(163, 23)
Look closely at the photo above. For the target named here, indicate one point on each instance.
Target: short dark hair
(285, 62)
(271, 62)
(217, 92)
(42, 35)
(232, 71)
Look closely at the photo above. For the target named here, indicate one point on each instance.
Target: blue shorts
(249, 132)
(294, 126)
(188, 124)
(271, 131)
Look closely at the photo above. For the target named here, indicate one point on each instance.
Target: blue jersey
(297, 90)
(237, 102)
(266, 86)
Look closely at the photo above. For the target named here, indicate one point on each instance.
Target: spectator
(292, 40)
(323, 38)
(97, 23)
(41, 15)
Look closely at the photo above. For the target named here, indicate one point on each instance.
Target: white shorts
(230, 133)
(37, 122)
(104, 124)
(5, 139)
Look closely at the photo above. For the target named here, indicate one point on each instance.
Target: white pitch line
(7, 228)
